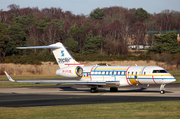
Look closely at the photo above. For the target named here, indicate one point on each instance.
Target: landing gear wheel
(94, 90)
(162, 89)
(162, 92)
(113, 89)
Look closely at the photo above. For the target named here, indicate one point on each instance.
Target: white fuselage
(126, 75)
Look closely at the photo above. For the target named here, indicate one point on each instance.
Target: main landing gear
(94, 89)
(113, 89)
(162, 89)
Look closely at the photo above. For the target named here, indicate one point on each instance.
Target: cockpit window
(159, 71)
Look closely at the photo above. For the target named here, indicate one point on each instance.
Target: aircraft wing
(57, 81)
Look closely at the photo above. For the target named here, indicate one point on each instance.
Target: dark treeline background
(104, 31)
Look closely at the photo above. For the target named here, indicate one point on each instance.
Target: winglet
(10, 79)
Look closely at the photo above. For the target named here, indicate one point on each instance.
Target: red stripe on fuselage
(153, 79)
(73, 64)
(139, 82)
(126, 75)
(90, 73)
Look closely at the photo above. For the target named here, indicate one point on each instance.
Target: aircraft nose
(174, 79)
(171, 80)
(168, 80)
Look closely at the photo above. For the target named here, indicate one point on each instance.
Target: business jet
(96, 76)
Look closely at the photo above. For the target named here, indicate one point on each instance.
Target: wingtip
(10, 79)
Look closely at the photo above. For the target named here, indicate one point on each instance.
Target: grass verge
(177, 80)
(139, 110)
(174, 72)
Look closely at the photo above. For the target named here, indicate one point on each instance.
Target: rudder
(63, 57)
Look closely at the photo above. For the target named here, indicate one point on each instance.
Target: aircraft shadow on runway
(104, 90)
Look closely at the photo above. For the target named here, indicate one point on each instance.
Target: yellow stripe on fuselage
(131, 75)
(146, 75)
(111, 69)
(86, 76)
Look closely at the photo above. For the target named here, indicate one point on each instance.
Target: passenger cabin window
(136, 73)
(132, 73)
(159, 71)
(144, 73)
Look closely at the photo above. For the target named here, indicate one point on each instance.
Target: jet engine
(72, 71)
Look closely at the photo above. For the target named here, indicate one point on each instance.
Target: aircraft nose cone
(172, 80)
(169, 80)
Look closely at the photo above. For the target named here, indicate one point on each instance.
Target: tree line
(104, 31)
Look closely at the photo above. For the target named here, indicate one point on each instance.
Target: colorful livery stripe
(73, 64)
(126, 75)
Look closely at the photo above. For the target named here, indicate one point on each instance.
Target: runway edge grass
(140, 110)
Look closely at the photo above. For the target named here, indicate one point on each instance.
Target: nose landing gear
(162, 89)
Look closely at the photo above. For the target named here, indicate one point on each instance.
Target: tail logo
(63, 60)
(62, 53)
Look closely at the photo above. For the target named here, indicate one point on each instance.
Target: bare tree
(139, 31)
(14, 9)
(126, 27)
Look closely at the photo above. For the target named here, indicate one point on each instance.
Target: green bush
(44, 57)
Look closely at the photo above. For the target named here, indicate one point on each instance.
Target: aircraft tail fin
(10, 79)
(62, 56)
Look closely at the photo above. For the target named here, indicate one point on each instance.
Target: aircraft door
(114, 75)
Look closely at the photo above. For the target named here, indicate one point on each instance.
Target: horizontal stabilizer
(62, 56)
(39, 47)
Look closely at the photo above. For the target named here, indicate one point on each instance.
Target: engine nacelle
(74, 71)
